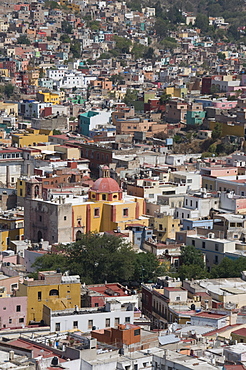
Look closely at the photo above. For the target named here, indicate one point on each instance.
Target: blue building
(189, 224)
(140, 234)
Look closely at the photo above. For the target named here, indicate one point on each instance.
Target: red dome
(105, 185)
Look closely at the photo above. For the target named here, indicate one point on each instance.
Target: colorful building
(195, 114)
(165, 226)
(48, 97)
(65, 219)
(52, 289)
(30, 138)
(176, 92)
(11, 228)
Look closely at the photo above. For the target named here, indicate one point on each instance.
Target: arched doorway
(40, 235)
(78, 235)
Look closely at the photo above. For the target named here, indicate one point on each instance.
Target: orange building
(125, 334)
(102, 83)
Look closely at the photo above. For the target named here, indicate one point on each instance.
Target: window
(90, 324)
(203, 244)
(127, 319)
(216, 246)
(75, 324)
(107, 323)
(104, 197)
(135, 367)
(21, 193)
(116, 321)
(151, 195)
(18, 308)
(136, 332)
(125, 212)
(21, 319)
(40, 218)
(57, 326)
(39, 296)
(186, 202)
(177, 298)
(65, 218)
(10, 321)
(216, 260)
(96, 212)
(54, 292)
(4, 308)
(193, 243)
(160, 227)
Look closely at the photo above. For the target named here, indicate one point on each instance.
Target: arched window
(54, 292)
(78, 235)
(40, 236)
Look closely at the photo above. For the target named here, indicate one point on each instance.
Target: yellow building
(52, 289)
(165, 226)
(106, 209)
(33, 77)
(176, 92)
(10, 108)
(75, 8)
(4, 72)
(235, 129)
(30, 138)
(48, 97)
(11, 228)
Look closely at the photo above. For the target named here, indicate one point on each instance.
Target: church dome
(105, 185)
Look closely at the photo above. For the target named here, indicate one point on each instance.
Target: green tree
(147, 267)
(24, 40)
(75, 49)
(122, 45)
(192, 272)
(52, 4)
(221, 55)
(57, 132)
(8, 90)
(138, 50)
(164, 97)
(192, 256)
(217, 131)
(65, 38)
(192, 264)
(202, 22)
(67, 27)
(169, 43)
(130, 97)
(149, 53)
(97, 258)
(161, 27)
(94, 25)
(229, 268)
(51, 261)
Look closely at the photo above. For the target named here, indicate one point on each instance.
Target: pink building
(13, 312)
(224, 104)
(219, 171)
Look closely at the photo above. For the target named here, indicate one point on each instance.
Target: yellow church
(61, 220)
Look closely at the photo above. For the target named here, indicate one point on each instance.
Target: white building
(28, 108)
(89, 319)
(213, 248)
